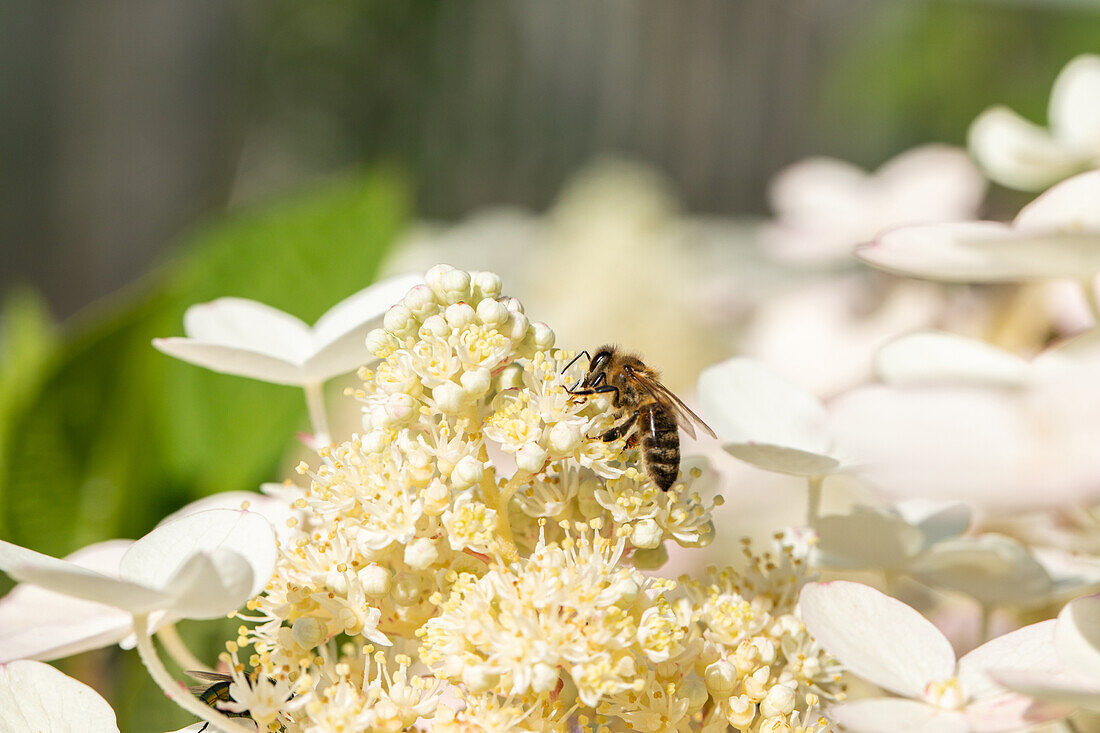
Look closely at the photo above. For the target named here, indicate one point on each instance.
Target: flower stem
(315, 401)
(178, 651)
(1089, 289)
(175, 692)
(813, 500)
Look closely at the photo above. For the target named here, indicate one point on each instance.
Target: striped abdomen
(660, 444)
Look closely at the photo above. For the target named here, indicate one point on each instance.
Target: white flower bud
(375, 580)
(491, 312)
(756, 684)
(308, 632)
(421, 553)
(449, 397)
(565, 437)
(486, 284)
(399, 321)
(516, 327)
(542, 334)
(436, 497)
(779, 701)
(511, 377)
(624, 591)
(651, 559)
(375, 441)
(531, 457)
(647, 534)
(421, 301)
(721, 679)
(406, 589)
(400, 408)
(460, 315)
(434, 278)
(477, 381)
(456, 286)
(742, 711)
(379, 343)
(543, 678)
(466, 473)
(435, 325)
(477, 678)
(696, 693)
(379, 417)
(513, 305)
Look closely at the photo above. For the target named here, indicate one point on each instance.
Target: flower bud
(406, 589)
(741, 712)
(565, 437)
(421, 553)
(511, 377)
(543, 678)
(375, 580)
(435, 325)
(477, 381)
(466, 473)
(513, 305)
(542, 335)
(456, 286)
(375, 441)
(379, 343)
(651, 559)
(449, 397)
(778, 702)
(308, 632)
(693, 689)
(460, 315)
(721, 679)
(624, 591)
(486, 284)
(399, 321)
(531, 457)
(491, 312)
(400, 408)
(437, 497)
(477, 678)
(434, 278)
(756, 684)
(647, 534)
(421, 301)
(379, 417)
(516, 327)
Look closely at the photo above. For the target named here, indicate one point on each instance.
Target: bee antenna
(578, 356)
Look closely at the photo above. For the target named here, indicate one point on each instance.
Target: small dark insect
(216, 691)
(646, 407)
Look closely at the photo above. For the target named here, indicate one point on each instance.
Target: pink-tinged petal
(942, 252)
(1005, 713)
(72, 580)
(817, 189)
(936, 520)
(867, 538)
(36, 698)
(936, 357)
(877, 637)
(1018, 153)
(1075, 104)
(1028, 649)
(232, 360)
(249, 326)
(156, 557)
(275, 509)
(930, 183)
(1060, 688)
(1077, 636)
(897, 716)
(765, 420)
(1069, 209)
(40, 624)
(995, 570)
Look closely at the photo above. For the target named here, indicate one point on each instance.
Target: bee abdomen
(660, 445)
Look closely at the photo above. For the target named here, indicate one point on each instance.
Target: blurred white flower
(993, 569)
(825, 207)
(201, 566)
(959, 419)
(1020, 154)
(890, 645)
(1076, 682)
(1055, 236)
(250, 339)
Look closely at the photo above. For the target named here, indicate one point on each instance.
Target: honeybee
(215, 692)
(646, 408)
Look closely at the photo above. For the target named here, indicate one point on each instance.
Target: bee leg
(602, 389)
(204, 727)
(619, 430)
(583, 353)
(632, 441)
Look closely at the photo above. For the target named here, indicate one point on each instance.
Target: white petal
(250, 326)
(1029, 649)
(877, 637)
(156, 557)
(36, 698)
(41, 624)
(232, 360)
(936, 357)
(1060, 688)
(1077, 636)
(993, 569)
(273, 508)
(1075, 104)
(1068, 208)
(819, 188)
(1018, 153)
(945, 252)
(936, 520)
(765, 420)
(930, 183)
(1010, 712)
(72, 580)
(898, 716)
(211, 584)
(867, 538)
(1072, 573)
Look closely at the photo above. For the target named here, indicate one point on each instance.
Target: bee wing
(685, 418)
(209, 676)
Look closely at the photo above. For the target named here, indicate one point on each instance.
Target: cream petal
(1072, 573)
(1029, 649)
(1068, 209)
(157, 556)
(211, 584)
(1057, 687)
(994, 569)
(898, 716)
(1018, 153)
(249, 326)
(1077, 636)
(936, 520)
(1005, 713)
(35, 697)
(232, 360)
(944, 252)
(867, 538)
(877, 637)
(763, 419)
(1075, 104)
(936, 357)
(930, 183)
(368, 305)
(273, 508)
